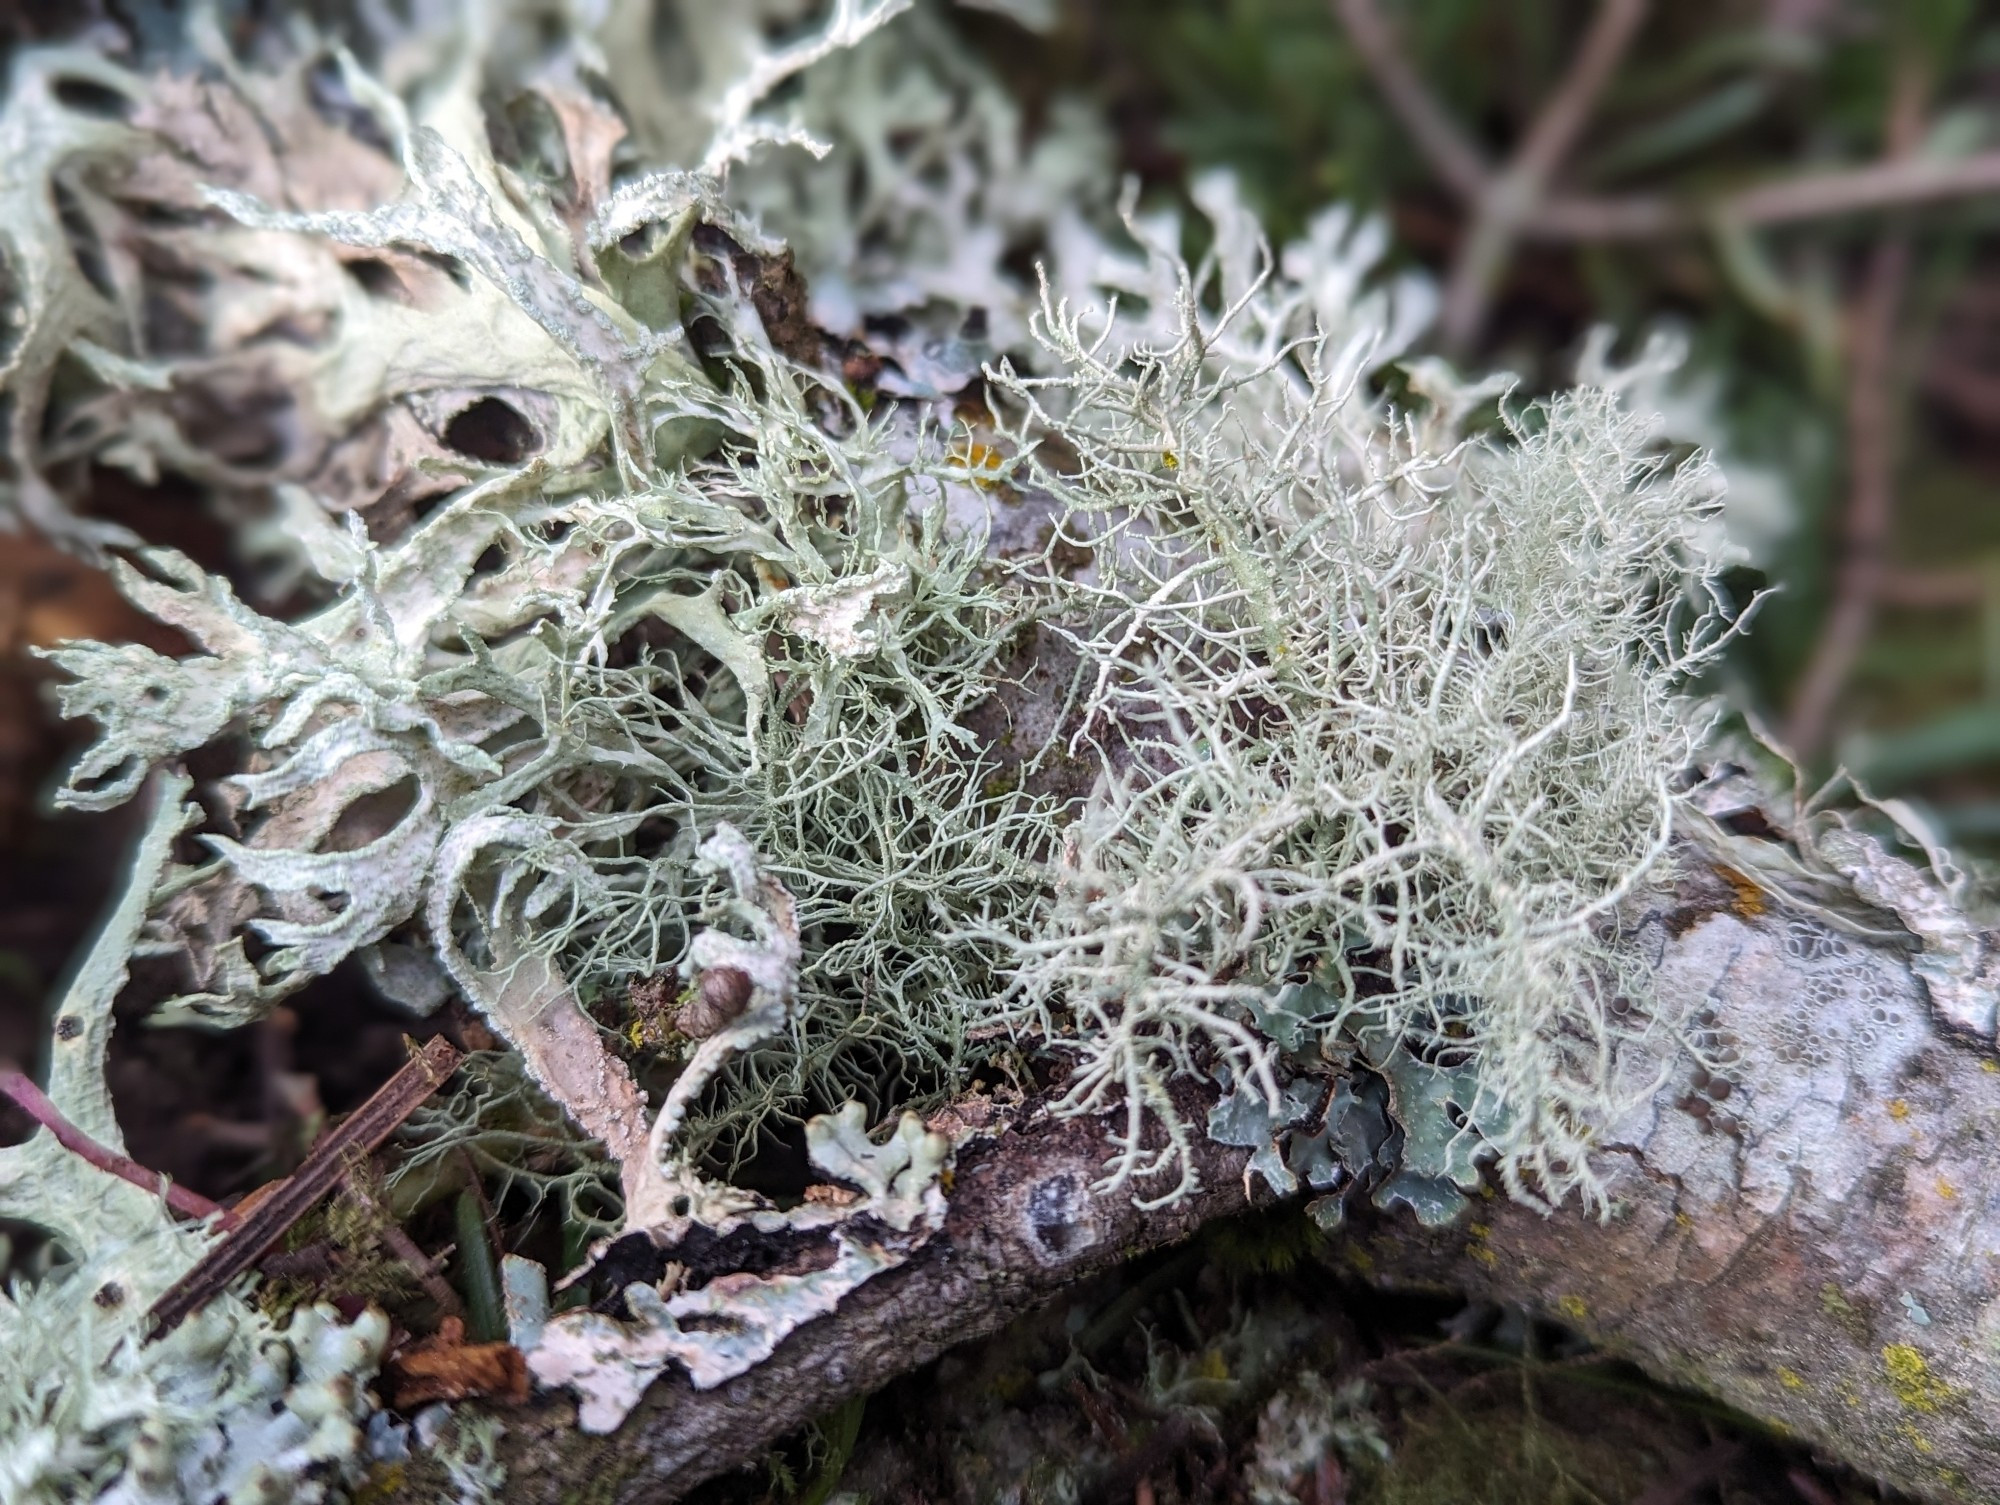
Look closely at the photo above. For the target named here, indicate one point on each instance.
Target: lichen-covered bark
(1024, 1222)
(1805, 1226)
(1808, 1228)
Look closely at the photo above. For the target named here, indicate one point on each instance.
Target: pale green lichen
(1342, 676)
(1325, 696)
(228, 1406)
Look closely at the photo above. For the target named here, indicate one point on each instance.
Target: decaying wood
(1805, 1225)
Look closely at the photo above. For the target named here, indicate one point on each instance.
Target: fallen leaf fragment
(445, 1367)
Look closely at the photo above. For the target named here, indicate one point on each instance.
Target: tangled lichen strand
(1402, 721)
(1365, 703)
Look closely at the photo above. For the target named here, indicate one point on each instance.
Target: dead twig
(1505, 202)
(1818, 193)
(405, 1248)
(325, 1168)
(1450, 152)
(30, 1099)
(1935, 590)
(1871, 448)
(1516, 204)
(1514, 198)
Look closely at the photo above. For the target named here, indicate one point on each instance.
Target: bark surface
(1805, 1225)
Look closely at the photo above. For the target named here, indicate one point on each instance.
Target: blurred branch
(1815, 194)
(1515, 203)
(1449, 150)
(1871, 440)
(1503, 203)
(1509, 202)
(1934, 590)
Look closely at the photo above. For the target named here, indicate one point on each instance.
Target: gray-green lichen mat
(707, 560)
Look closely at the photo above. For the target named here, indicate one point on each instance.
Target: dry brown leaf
(447, 1368)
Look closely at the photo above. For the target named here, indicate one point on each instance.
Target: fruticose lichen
(716, 560)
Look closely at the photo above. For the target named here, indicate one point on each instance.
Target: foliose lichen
(672, 511)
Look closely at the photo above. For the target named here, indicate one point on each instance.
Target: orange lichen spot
(1748, 902)
(1791, 1379)
(981, 461)
(1898, 1109)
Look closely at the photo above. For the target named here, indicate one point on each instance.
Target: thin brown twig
(405, 1248)
(1871, 447)
(1504, 203)
(1818, 193)
(1897, 181)
(31, 1100)
(1513, 200)
(1449, 150)
(1935, 589)
(323, 1169)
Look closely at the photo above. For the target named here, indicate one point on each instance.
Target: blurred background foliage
(1849, 348)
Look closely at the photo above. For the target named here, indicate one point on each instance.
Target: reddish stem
(32, 1101)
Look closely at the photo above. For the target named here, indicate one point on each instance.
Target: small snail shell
(721, 995)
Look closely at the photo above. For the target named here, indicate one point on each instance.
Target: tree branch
(1898, 181)
(1895, 183)
(1505, 203)
(1512, 201)
(31, 1100)
(1798, 1229)
(1871, 441)
(1453, 157)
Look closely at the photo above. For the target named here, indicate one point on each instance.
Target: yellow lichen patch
(1573, 1307)
(1748, 903)
(1478, 1248)
(1683, 1221)
(384, 1482)
(1169, 459)
(1362, 1261)
(1791, 1379)
(1898, 1109)
(1945, 1189)
(1914, 1438)
(1911, 1379)
(1989, 1065)
(1212, 1365)
(1833, 1301)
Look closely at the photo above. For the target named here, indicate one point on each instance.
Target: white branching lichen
(661, 634)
